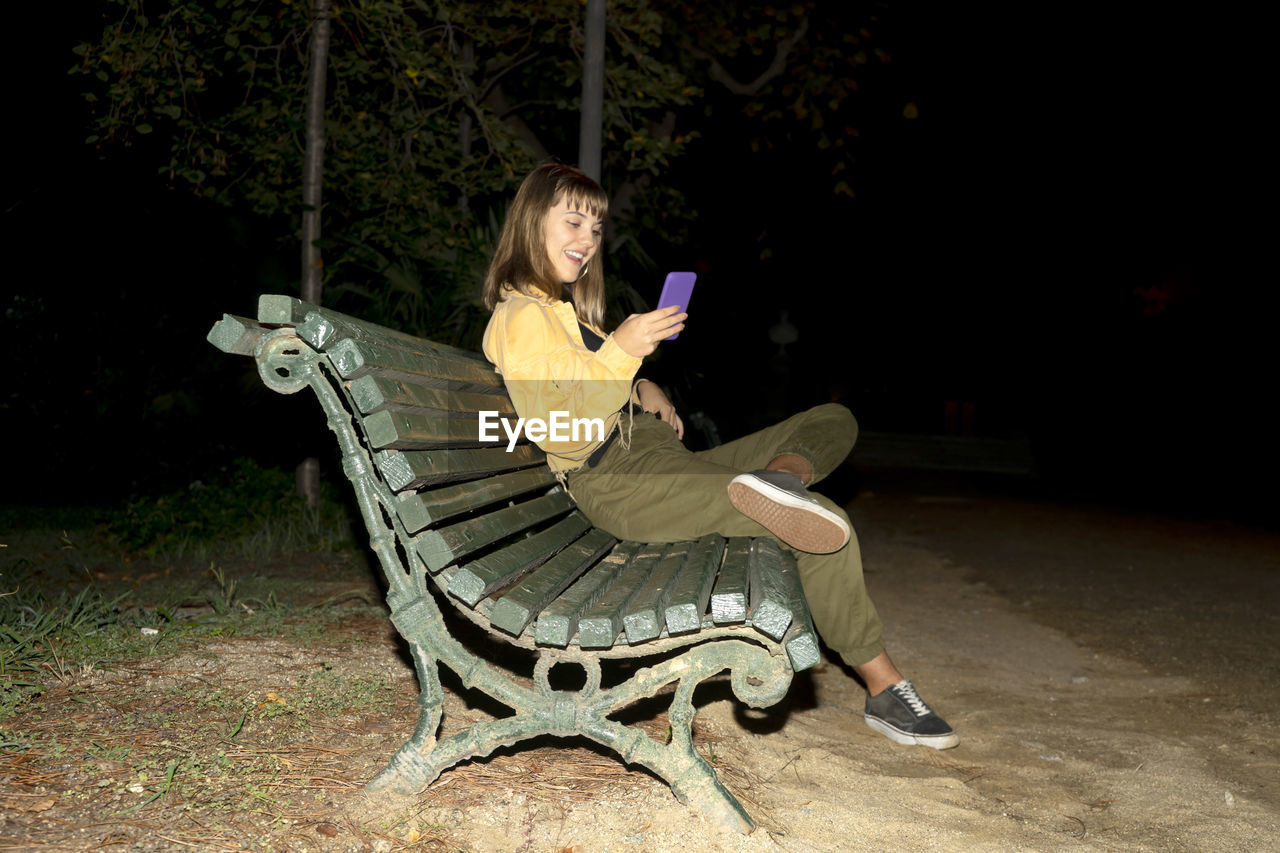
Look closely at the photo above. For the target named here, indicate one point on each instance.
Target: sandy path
(1065, 745)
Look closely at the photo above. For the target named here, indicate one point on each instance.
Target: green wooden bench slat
(600, 626)
(414, 469)
(373, 393)
(691, 590)
(279, 310)
(729, 597)
(353, 359)
(329, 326)
(324, 328)
(646, 614)
(520, 605)
(770, 596)
(236, 335)
(389, 430)
(418, 510)
(801, 640)
(439, 548)
(802, 646)
(476, 579)
(558, 623)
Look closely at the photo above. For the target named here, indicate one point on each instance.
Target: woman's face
(572, 236)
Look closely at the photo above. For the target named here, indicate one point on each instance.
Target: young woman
(545, 288)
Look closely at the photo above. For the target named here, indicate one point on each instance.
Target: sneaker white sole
(908, 739)
(802, 524)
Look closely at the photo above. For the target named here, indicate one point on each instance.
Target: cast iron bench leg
(690, 777)
(756, 677)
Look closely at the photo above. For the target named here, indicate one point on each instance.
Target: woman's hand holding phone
(640, 334)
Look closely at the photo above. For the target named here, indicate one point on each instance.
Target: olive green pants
(656, 490)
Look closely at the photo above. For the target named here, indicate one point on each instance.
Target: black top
(590, 339)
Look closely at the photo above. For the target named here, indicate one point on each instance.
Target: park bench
(494, 534)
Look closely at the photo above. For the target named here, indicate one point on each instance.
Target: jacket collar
(510, 291)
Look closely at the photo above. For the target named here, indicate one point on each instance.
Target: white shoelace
(905, 690)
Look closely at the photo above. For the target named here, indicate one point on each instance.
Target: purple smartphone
(675, 291)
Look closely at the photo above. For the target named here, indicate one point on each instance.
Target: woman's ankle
(792, 464)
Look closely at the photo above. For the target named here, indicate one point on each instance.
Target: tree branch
(496, 100)
(623, 201)
(779, 64)
(486, 86)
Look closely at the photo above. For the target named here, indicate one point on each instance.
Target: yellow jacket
(535, 343)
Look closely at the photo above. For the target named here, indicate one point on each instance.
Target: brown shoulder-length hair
(521, 259)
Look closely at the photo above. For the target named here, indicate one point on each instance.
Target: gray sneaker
(901, 715)
(779, 501)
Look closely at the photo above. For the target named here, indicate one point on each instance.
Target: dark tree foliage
(194, 122)
(436, 110)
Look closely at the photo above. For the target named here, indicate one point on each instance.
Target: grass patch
(160, 575)
(241, 511)
(46, 640)
(178, 673)
(41, 638)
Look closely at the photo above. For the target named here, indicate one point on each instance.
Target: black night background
(1058, 238)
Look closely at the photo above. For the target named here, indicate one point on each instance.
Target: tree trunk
(592, 118)
(308, 472)
(313, 163)
(465, 120)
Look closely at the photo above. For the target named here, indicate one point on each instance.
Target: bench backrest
(493, 528)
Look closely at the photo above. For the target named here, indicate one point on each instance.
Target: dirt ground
(1113, 675)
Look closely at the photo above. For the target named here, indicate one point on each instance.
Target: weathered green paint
(691, 588)
(599, 627)
(644, 617)
(558, 623)
(519, 605)
(354, 359)
(802, 647)
(554, 574)
(236, 335)
(324, 327)
(277, 310)
(415, 469)
(439, 548)
(758, 678)
(503, 567)
(801, 640)
(418, 510)
(770, 595)
(390, 430)
(373, 393)
(690, 592)
(729, 597)
(285, 363)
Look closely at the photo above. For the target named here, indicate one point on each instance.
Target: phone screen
(676, 291)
